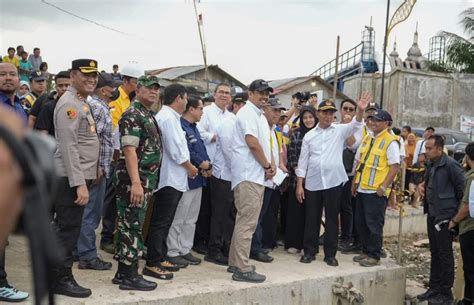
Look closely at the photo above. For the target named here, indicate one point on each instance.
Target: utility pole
(384, 54)
(203, 44)
(334, 92)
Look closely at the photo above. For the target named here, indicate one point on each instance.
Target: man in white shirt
(210, 121)
(175, 169)
(420, 145)
(252, 164)
(222, 197)
(321, 169)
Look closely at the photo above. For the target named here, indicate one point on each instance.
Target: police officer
(76, 158)
(136, 179)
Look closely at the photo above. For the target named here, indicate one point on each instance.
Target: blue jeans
(258, 235)
(86, 249)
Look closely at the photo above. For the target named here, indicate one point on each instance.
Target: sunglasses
(348, 109)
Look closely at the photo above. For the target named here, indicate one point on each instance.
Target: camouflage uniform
(138, 128)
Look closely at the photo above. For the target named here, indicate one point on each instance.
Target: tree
(459, 50)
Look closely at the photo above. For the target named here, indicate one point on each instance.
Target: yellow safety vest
(373, 164)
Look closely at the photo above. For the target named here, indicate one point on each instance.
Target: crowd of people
(231, 176)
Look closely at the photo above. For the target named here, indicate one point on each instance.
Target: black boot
(134, 281)
(121, 270)
(67, 285)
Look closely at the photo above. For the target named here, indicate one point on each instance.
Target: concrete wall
(419, 98)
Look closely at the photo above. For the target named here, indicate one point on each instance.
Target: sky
(249, 39)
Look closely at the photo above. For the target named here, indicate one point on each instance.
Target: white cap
(132, 69)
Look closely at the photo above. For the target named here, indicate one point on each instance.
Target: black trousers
(67, 223)
(203, 224)
(283, 213)
(270, 222)
(295, 221)
(164, 209)
(109, 214)
(314, 203)
(348, 227)
(442, 257)
(370, 219)
(3, 273)
(467, 252)
(222, 216)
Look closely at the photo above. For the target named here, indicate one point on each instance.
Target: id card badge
(471, 199)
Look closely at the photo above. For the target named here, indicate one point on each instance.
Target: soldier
(136, 178)
(76, 158)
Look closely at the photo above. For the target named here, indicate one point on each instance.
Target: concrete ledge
(288, 282)
(414, 221)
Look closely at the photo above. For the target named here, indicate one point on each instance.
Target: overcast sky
(249, 39)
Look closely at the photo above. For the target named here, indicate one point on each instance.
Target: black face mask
(115, 95)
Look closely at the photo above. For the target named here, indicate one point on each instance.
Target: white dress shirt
(320, 161)
(419, 149)
(221, 166)
(250, 121)
(393, 157)
(212, 117)
(175, 150)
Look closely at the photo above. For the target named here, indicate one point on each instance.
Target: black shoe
(250, 277)
(118, 278)
(218, 259)
(261, 257)
(426, 295)
(343, 244)
(137, 282)
(95, 264)
(68, 286)
(266, 250)
(352, 249)
(441, 299)
(191, 259)
(178, 261)
(200, 248)
(169, 266)
(306, 259)
(331, 261)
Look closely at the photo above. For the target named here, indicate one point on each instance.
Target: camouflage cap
(148, 81)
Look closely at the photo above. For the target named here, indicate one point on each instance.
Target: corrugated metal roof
(175, 72)
(280, 85)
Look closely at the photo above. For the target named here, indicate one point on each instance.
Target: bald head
(9, 80)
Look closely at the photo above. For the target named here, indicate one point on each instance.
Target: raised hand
(364, 101)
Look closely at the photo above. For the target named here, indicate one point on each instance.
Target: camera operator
(443, 189)
(10, 180)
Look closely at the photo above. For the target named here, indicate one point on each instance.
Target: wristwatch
(453, 221)
(268, 167)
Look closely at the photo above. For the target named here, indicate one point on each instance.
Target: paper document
(279, 177)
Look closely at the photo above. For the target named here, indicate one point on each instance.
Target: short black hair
(408, 128)
(220, 85)
(193, 101)
(23, 52)
(63, 74)
(348, 100)
(430, 128)
(20, 46)
(172, 92)
(191, 90)
(470, 150)
(208, 99)
(396, 131)
(11, 49)
(115, 66)
(36, 49)
(42, 65)
(438, 140)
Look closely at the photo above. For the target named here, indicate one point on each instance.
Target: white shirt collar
(254, 107)
(174, 112)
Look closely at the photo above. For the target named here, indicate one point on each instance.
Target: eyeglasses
(223, 92)
(348, 109)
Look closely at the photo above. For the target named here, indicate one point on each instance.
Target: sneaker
(293, 251)
(137, 282)
(11, 294)
(442, 299)
(250, 277)
(191, 259)
(169, 266)
(261, 257)
(95, 264)
(369, 262)
(428, 294)
(157, 272)
(218, 259)
(359, 257)
(108, 247)
(178, 261)
(352, 249)
(233, 269)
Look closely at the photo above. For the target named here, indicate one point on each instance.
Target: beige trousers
(248, 202)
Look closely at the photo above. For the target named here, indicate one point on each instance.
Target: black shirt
(45, 119)
(40, 101)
